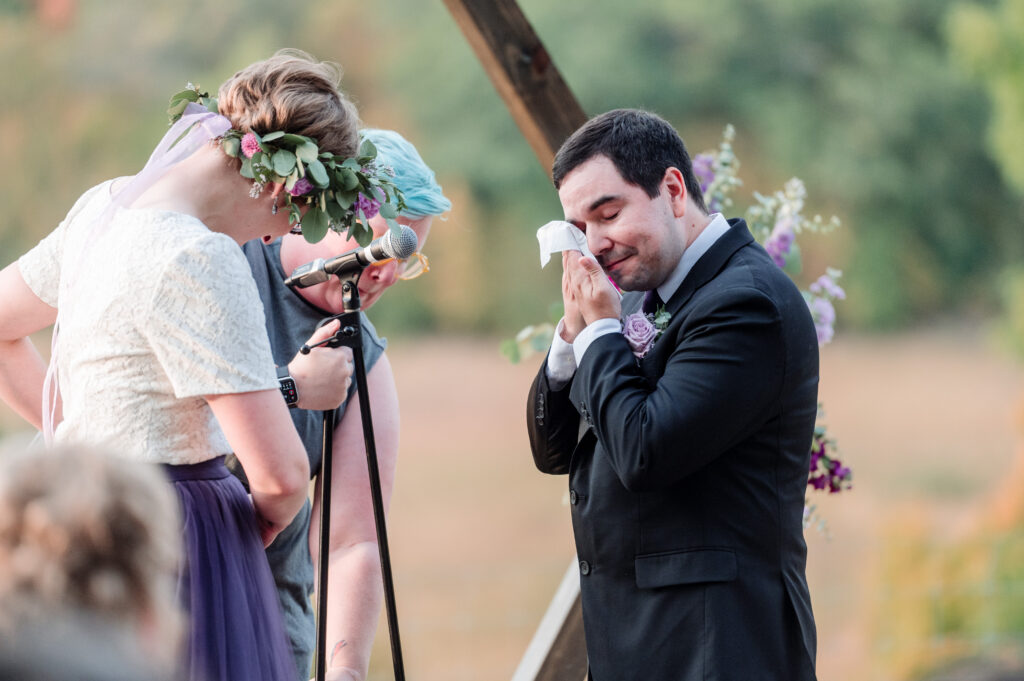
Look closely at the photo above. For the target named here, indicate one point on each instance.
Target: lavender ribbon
(196, 127)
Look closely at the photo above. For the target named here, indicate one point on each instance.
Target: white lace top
(162, 312)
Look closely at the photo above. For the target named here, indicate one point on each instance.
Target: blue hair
(414, 179)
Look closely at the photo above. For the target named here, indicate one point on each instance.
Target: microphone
(391, 245)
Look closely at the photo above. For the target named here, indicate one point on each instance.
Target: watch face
(291, 396)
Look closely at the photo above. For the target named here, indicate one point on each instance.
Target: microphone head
(401, 245)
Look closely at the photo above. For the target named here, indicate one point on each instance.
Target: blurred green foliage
(860, 100)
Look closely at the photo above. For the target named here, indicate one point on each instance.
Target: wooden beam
(546, 112)
(521, 69)
(558, 651)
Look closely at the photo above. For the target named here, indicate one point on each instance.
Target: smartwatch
(287, 385)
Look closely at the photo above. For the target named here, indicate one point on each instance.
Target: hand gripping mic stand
(349, 334)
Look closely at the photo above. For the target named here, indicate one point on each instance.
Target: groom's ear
(674, 188)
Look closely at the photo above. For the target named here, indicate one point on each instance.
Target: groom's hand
(594, 295)
(572, 321)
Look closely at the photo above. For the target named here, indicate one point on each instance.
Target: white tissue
(559, 235)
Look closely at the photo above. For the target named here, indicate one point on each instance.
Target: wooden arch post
(546, 112)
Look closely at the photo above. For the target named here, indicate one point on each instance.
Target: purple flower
(824, 315)
(827, 285)
(369, 207)
(301, 187)
(818, 481)
(250, 145)
(816, 454)
(704, 170)
(640, 333)
(780, 241)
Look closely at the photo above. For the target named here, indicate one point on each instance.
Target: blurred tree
(858, 99)
(989, 42)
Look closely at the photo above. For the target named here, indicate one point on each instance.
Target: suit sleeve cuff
(602, 327)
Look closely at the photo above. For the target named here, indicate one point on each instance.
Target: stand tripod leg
(351, 336)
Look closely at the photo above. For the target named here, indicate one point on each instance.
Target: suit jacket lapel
(711, 263)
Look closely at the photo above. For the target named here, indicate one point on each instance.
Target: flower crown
(342, 193)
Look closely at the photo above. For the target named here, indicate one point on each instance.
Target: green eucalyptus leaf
(361, 233)
(177, 108)
(246, 169)
(367, 149)
(231, 146)
(345, 199)
(271, 136)
(388, 211)
(351, 164)
(317, 172)
(211, 105)
(284, 162)
(393, 225)
(190, 95)
(336, 212)
(307, 151)
(293, 139)
(347, 178)
(510, 349)
(314, 225)
(292, 179)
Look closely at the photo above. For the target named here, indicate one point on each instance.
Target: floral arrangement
(775, 221)
(340, 193)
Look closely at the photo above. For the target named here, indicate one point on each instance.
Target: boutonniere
(641, 330)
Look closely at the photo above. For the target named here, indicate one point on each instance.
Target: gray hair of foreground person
(91, 538)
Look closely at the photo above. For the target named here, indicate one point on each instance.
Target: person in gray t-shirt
(322, 380)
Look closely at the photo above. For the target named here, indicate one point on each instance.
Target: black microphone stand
(349, 334)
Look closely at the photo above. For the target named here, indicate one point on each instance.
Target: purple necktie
(652, 301)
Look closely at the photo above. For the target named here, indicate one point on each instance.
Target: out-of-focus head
(424, 199)
(294, 93)
(87, 534)
(416, 181)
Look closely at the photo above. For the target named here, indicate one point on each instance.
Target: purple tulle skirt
(235, 630)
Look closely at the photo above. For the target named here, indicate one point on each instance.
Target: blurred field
(930, 420)
(480, 540)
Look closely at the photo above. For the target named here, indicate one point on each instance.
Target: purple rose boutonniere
(641, 330)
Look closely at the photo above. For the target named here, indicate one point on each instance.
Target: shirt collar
(704, 241)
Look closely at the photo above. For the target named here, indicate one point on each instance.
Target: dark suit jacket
(687, 473)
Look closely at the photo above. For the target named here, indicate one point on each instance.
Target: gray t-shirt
(290, 322)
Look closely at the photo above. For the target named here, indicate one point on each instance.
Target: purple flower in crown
(303, 186)
(704, 170)
(369, 207)
(250, 145)
(640, 333)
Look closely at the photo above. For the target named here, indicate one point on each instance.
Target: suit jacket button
(584, 568)
(573, 497)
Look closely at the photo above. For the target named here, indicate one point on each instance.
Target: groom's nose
(598, 241)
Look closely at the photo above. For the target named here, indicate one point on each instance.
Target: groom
(687, 466)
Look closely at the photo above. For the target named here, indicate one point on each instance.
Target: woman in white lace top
(162, 354)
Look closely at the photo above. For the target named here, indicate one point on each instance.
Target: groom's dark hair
(642, 145)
